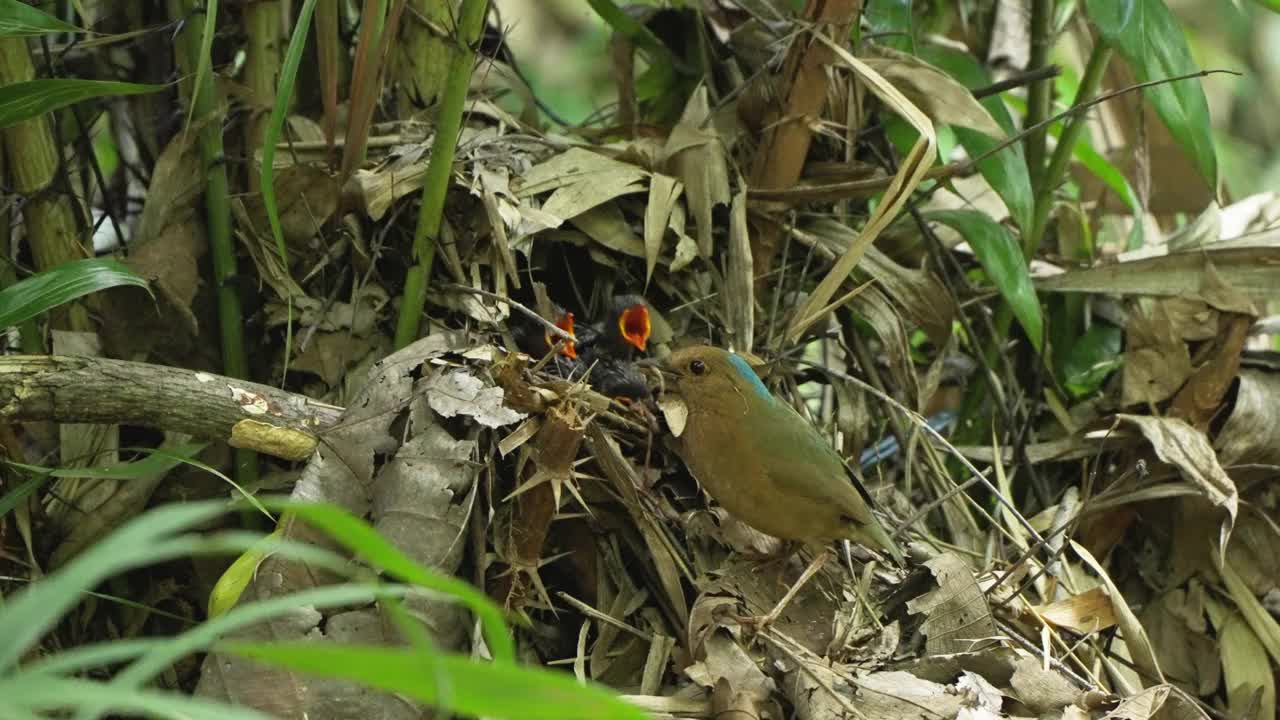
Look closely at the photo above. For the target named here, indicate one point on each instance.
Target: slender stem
(1062, 153)
(235, 361)
(1040, 94)
(440, 169)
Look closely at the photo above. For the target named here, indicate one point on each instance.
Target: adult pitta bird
(762, 460)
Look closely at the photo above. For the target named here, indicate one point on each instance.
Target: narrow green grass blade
(60, 285)
(33, 98)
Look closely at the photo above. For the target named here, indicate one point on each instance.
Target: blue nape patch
(749, 375)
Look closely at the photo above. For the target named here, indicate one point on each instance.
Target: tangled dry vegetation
(1102, 549)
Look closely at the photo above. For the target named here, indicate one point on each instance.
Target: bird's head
(631, 314)
(709, 378)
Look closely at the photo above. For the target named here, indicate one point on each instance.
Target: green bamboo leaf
(456, 683)
(1006, 171)
(49, 289)
(632, 29)
(891, 24)
(203, 59)
(27, 695)
(1091, 359)
(1146, 34)
(17, 19)
(275, 126)
(18, 494)
(156, 462)
(26, 100)
(1001, 257)
(362, 540)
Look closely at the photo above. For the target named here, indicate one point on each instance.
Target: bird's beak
(634, 326)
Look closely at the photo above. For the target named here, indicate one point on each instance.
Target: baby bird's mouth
(635, 327)
(565, 323)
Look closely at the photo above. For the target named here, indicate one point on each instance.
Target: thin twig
(547, 324)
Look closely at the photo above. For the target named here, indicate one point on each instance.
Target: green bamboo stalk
(204, 110)
(440, 170)
(422, 55)
(53, 231)
(29, 330)
(264, 25)
(1040, 93)
(1065, 149)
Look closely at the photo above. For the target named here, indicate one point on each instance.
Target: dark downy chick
(534, 339)
(623, 331)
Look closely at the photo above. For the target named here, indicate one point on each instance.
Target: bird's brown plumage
(762, 460)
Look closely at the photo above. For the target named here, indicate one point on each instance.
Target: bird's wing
(802, 461)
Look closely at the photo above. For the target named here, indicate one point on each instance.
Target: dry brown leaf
(1175, 621)
(1246, 670)
(176, 181)
(360, 317)
(1156, 361)
(914, 167)
(1254, 552)
(580, 180)
(1085, 613)
(1159, 701)
(306, 196)
(1263, 624)
(919, 295)
(461, 393)
(664, 191)
(739, 290)
(1252, 431)
(606, 225)
(695, 155)
(1135, 636)
(329, 355)
(957, 617)
(1250, 267)
(1188, 450)
(944, 100)
(1041, 690)
(724, 659)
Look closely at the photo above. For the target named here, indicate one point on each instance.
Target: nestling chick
(624, 330)
(534, 339)
(762, 460)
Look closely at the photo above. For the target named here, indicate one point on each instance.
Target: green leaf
(1148, 37)
(26, 100)
(49, 289)
(452, 682)
(18, 494)
(1001, 257)
(17, 19)
(361, 539)
(29, 694)
(275, 126)
(1006, 171)
(1093, 357)
(629, 27)
(889, 22)
(156, 462)
(1115, 180)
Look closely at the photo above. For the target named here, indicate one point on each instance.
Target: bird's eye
(697, 367)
